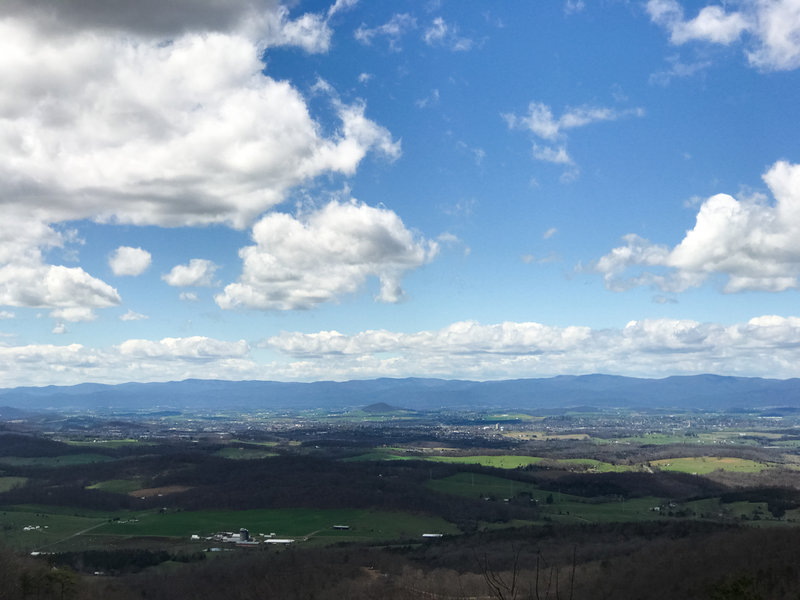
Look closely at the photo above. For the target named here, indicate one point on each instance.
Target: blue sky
(353, 189)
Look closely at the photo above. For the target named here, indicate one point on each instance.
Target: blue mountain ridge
(705, 392)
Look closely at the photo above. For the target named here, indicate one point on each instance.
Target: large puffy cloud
(265, 20)
(300, 262)
(25, 280)
(754, 244)
(773, 27)
(47, 286)
(135, 131)
(152, 113)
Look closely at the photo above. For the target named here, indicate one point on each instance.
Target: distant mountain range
(602, 391)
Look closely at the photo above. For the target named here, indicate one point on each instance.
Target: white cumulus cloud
(300, 262)
(754, 244)
(190, 348)
(770, 28)
(199, 272)
(129, 261)
(49, 286)
(219, 144)
(169, 359)
(105, 115)
(25, 280)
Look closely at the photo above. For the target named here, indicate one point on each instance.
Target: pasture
(36, 528)
(500, 461)
(46, 528)
(703, 465)
(244, 453)
(65, 460)
(117, 486)
(9, 483)
(297, 523)
(554, 506)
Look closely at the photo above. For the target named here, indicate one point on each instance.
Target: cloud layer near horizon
(763, 346)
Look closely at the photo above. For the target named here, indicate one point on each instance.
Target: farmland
(370, 487)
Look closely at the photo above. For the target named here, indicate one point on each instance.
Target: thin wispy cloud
(550, 132)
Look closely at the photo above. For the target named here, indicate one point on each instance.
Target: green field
(53, 461)
(382, 454)
(118, 486)
(9, 483)
(44, 528)
(504, 461)
(741, 438)
(562, 508)
(243, 453)
(703, 465)
(591, 464)
(501, 461)
(287, 522)
(48, 528)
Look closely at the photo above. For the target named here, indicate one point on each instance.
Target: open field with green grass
(53, 461)
(501, 461)
(289, 522)
(570, 510)
(9, 483)
(475, 485)
(703, 465)
(244, 453)
(117, 486)
(383, 454)
(740, 438)
(560, 507)
(593, 465)
(504, 461)
(567, 508)
(35, 528)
